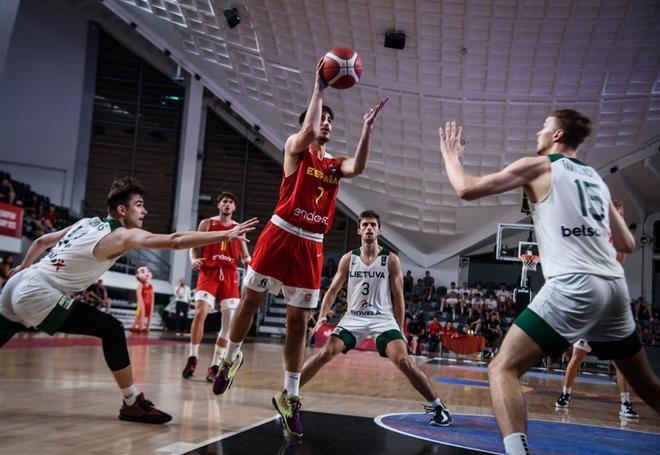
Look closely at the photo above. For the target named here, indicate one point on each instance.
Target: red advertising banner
(11, 220)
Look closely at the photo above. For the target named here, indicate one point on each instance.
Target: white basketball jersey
(70, 266)
(573, 225)
(369, 286)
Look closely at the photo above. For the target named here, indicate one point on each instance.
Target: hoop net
(529, 261)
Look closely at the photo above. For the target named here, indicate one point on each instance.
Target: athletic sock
(129, 394)
(292, 382)
(435, 403)
(625, 397)
(194, 350)
(516, 444)
(567, 390)
(232, 350)
(217, 355)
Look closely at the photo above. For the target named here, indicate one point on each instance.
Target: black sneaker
(441, 416)
(191, 365)
(563, 400)
(628, 411)
(143, 411)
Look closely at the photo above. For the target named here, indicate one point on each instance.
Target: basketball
(342, 68)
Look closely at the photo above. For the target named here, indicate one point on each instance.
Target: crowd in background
(40, 216)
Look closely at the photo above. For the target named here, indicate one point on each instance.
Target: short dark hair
(325, 108)
(575, 125)
(368, 214)
(121, 190)
(228, 195)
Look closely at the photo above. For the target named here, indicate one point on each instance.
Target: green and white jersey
(70, 265)
(369, 287)
(573, 225)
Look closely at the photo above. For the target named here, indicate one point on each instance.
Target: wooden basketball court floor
(58, 397)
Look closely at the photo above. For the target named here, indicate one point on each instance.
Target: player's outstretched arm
(38, 247)
(311, 126)
(622, 239)
(396, 286)
(521, 173)
(196, 261)
(353, 166)
(337, 282)
(123, 240)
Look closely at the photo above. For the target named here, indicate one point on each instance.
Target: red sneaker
(143, 411)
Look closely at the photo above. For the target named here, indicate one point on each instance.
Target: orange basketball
(342, 68)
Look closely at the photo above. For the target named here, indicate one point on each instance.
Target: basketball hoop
(529, 261)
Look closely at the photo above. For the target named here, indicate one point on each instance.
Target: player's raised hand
(15, 270)
(320, 83)
(238, 232)
(451, 140)
(197, 264)
(372, 114)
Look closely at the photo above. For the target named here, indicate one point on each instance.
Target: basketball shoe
(628, 411)
(563, 400)
(143, 411)
(288, 406)
(212, 372)
(441, 416)
(191, 365)
(225, 376)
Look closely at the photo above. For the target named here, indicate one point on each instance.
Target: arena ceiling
(497, 67)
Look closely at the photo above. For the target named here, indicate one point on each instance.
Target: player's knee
(405, 364)
(327, 354)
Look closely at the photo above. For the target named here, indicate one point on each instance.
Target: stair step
(275, 320)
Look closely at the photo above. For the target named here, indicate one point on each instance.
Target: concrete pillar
(187, 188)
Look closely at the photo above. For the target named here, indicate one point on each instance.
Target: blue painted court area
(481, 433)
(459, 381)
(536, 374)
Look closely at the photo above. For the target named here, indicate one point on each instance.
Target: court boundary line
(221, 437)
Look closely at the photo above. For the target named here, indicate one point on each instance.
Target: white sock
(292, 383)
(129, 394)
(625, 396)
(567, 390)
(435, 403)
(217, 355)
(232, 350)
(194, 350)
(516, 444)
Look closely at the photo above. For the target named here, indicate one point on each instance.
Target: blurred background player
(217, 283)
(289, 252)
(376, 308)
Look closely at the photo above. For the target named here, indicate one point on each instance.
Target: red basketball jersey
(223, 254)
(308, 196)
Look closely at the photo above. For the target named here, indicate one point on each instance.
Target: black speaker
(233, 19)
(395, 40)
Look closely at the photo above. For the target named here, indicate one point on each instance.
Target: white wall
(633, 268)
(41, 91)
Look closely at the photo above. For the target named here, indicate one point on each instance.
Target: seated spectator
(6, 264)
(477, 303)
(465, 289)
(478, 291)
(450, 302)
(433, 336)
(419, 291)
(97, 295)
(408, 283)
(448, 329)
(429, 284)
(49, 219)
(503, 297)
(642, 312)
(490, 303)
(647, 337)
(434, 326)
(416, 334)
(7, 194)
(492, 331)
(452, 287)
